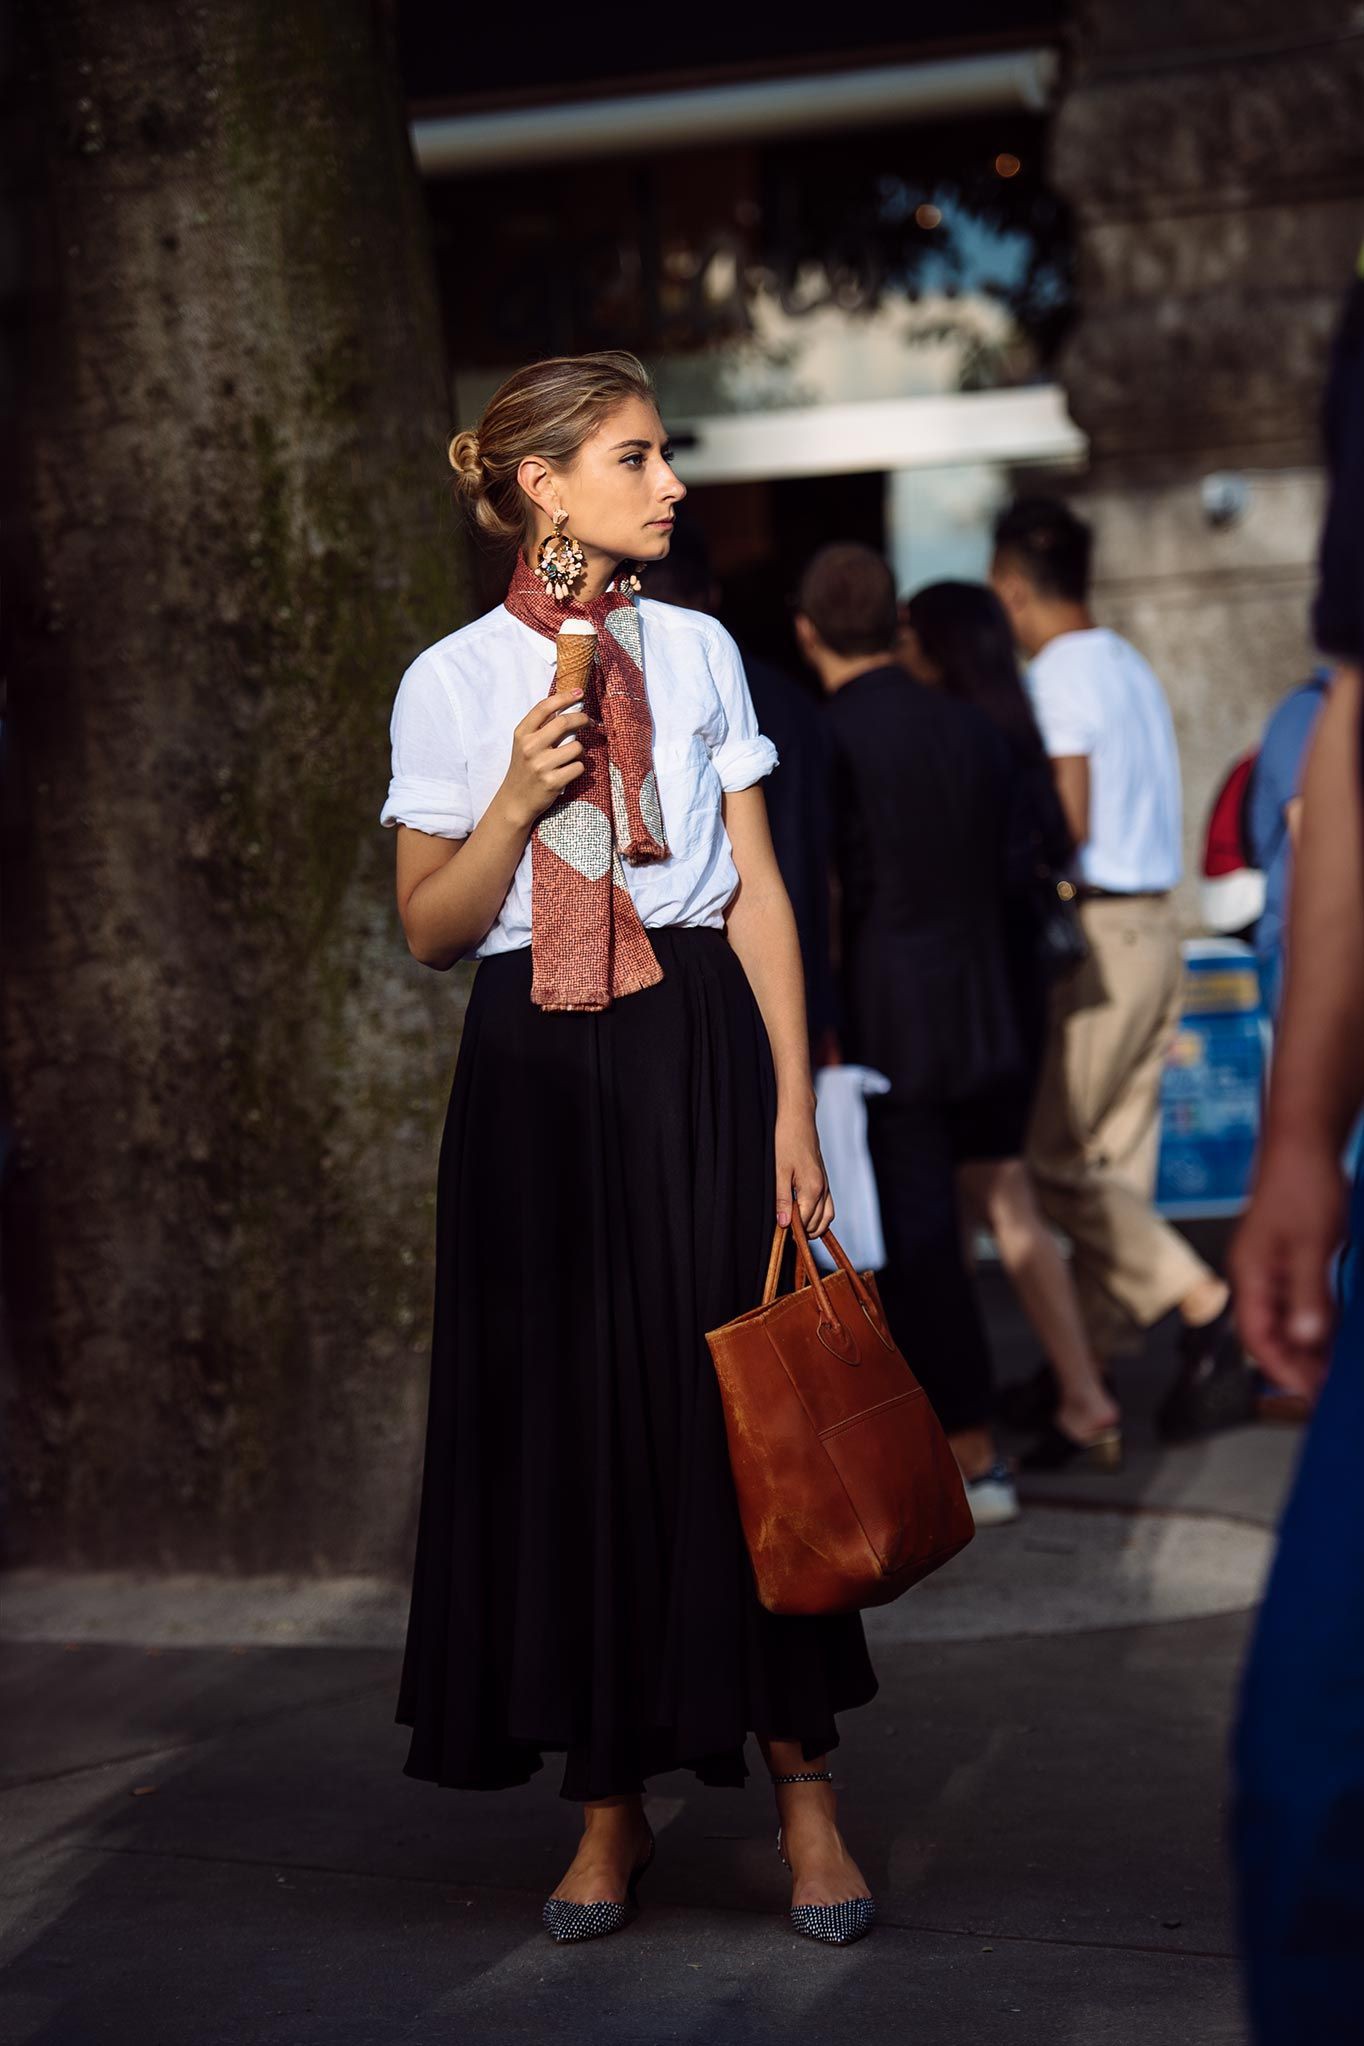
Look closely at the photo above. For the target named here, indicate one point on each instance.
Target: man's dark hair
(1043, 538)
(684, 576)
(848, 595)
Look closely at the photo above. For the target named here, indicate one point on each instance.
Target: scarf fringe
(553, 997)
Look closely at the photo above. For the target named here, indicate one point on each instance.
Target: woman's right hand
(546, 756)
(1280, 1264)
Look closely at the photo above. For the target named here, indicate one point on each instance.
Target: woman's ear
(535, 479)
(1012, 589)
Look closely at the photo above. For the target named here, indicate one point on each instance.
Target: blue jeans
(1298, 1812)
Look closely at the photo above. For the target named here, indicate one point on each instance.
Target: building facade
(885, 281)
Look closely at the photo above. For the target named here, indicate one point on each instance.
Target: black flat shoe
(1214, 1388)
(1054, 1450)
(566, 1921)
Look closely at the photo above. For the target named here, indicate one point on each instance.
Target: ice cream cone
(575, 649)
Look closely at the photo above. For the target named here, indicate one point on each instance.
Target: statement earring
(559, 560)
(629, 581)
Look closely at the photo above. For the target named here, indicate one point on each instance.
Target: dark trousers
(930, 1297)
(1299, 1749)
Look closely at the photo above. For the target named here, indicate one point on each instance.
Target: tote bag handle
(831, 1327)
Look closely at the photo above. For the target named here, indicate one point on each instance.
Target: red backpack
(1232, 890)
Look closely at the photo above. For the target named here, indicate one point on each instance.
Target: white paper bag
(841, 1120)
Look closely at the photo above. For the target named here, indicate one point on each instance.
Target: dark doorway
(761, 535)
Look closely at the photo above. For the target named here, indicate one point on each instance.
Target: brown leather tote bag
(848, 1492)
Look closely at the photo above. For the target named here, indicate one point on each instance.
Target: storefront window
(852, 334)
(893, 263)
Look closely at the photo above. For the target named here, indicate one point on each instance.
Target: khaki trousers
(1094, 1136)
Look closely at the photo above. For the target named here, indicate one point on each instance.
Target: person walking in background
(797, 790)
(1298, 1811)
(1273, 808)
(920, 803)
(957, 639)
(1092, 1145)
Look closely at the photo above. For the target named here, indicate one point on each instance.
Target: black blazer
(798, 811)
(922, 788)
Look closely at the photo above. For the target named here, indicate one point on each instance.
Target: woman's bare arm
(451, 889)
(1282, 1254)
(1071, 772)
(762, 930)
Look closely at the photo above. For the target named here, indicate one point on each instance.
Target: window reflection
(886, 263)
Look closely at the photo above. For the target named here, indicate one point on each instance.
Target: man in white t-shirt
(1092, 1146)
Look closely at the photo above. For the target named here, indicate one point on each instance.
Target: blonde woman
(631, 1107)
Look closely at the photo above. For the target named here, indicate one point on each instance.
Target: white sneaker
(993, 1496)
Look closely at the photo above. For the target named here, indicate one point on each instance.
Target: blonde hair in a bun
(547, 409)
(466, 460)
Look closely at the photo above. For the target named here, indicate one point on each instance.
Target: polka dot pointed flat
(565, 1921)
(838, 1925)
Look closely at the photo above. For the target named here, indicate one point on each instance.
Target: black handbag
(1038, 850)
(1061, 942)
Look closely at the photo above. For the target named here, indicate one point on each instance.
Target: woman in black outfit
(633, 1083)
(957, 637)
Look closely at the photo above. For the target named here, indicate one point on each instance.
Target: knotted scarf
(588, 944)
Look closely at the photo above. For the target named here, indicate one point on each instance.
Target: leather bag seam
(881, 1407)
(872, 1550)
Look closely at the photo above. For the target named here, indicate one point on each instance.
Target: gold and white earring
(559, 560)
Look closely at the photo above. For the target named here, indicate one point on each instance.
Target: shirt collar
(543, 645)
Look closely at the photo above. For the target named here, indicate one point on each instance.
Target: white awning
(1027, 425)
(462, 144)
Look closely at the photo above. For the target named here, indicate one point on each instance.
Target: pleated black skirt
(581, 1583)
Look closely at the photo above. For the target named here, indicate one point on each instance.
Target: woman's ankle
(976, 1451)
(1084, 1419)
(614, 1815)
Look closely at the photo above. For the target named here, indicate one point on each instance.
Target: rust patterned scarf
(587, 942)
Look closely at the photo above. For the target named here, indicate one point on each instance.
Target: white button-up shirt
(460, 700)
(1094, 694)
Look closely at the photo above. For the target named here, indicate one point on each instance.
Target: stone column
(1214, 155)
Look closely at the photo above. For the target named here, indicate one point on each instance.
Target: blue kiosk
(1213, 1084)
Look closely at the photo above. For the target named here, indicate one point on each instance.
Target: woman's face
(621, 493)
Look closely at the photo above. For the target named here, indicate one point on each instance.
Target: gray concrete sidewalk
(208, 1837)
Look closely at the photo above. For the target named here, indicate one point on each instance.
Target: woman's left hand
(801, 1175)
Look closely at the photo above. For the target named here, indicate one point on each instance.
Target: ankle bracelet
(807, 1776)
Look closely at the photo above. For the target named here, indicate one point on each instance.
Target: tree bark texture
(226, 1074)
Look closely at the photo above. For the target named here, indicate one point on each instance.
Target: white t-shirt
(1093, 693)
(452, 725)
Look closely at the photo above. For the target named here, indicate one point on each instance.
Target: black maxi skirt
(581, 1584)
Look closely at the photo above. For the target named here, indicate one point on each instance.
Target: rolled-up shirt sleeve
(1063, 701)
(741, 755)
(429, 789)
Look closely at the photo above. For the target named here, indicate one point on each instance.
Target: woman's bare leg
(615, 1836)
(823, 1871)
(1002, 1193)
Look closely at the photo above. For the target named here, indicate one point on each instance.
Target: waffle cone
(574, 653)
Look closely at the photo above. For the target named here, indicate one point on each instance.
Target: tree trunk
(226, 1074)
